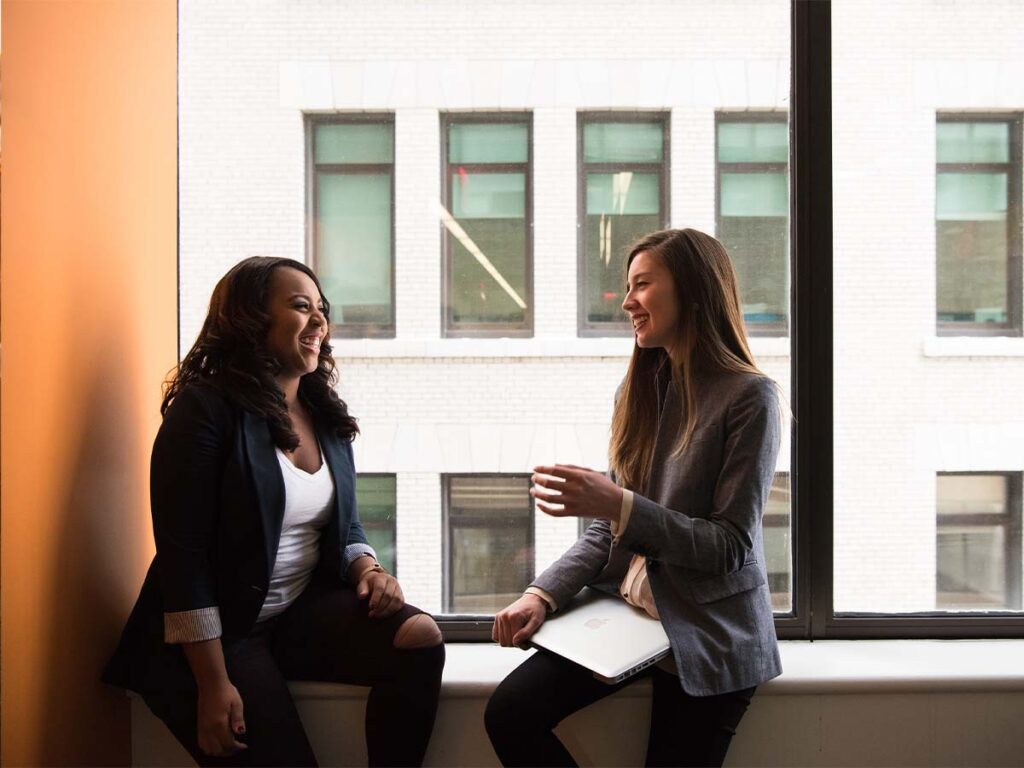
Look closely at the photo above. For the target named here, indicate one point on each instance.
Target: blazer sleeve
(720, 543)
(185, 488)
(580, 565)
(356, 543)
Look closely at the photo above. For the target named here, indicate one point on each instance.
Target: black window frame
(475, 623)
(313, 121)
(450, 330)
(1009, 520)
(812, 374)
(584, 327)
(749, 116)
(1014, 288)
(374, 525)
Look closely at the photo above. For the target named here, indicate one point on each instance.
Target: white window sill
(974, 346)
(472, 670)
(620, 347)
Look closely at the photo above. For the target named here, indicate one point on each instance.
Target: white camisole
(307, 508)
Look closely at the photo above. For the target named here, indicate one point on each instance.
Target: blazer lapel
(268, 484)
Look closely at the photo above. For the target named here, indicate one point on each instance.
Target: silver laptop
(605, 634)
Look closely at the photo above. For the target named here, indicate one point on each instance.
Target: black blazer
(217, 498)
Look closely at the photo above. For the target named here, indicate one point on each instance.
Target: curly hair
(230, 355)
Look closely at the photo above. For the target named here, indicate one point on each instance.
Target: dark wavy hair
(230, 355)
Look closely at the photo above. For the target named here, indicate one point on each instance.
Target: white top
(307, 508)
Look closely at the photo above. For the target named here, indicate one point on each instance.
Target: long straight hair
(709, 337)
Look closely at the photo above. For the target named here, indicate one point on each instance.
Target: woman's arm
(220, 717)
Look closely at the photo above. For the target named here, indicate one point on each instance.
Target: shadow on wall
(97, 563)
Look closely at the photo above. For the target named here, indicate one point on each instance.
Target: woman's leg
(534, 698)
(273, 731)
(692, 730)
(327, 635)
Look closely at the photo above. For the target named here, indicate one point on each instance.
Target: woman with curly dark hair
(263, 572)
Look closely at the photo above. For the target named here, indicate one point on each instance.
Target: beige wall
(88, 329)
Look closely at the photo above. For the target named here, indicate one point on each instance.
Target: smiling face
(297, 323)
(651, 302)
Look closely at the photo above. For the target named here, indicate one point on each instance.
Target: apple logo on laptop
(595, 623)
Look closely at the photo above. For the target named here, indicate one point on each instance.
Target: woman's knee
(419, 631)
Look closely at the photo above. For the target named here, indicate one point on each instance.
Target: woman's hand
(516, 624)
(565, 490)
(220, 720)
(382, 588)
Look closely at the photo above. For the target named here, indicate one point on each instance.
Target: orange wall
(88, 286)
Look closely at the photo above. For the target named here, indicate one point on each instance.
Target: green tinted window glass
(754, 194)
(623, 193)
(970, 196)
(623, 142)
(752, 142)
(353, 233)
(488, 143)
(354, 143)
(376, 500)
(972, 142)
(488, 195)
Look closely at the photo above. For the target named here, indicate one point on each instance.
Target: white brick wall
(904, 409)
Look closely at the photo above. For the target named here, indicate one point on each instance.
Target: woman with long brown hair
(695, 436)
(263, 572)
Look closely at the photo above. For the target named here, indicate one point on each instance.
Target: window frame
(1014, 288)
(473, 621)
(449, 330)
(313, 169)
(585, 328)
(772, 330)
(1009, 520)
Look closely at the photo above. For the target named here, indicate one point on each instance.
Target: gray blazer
(698, 523)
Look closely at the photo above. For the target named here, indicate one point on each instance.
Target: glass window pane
(754, 194)
(377, 503)
(488, 143)
(353, 245)
(623, 142)
(778, 544)
(977, 538)
(488, 195)
(621, 208)
(970, 196)
(354, 143)
(963, 142)
(753, 142)
(491, 542)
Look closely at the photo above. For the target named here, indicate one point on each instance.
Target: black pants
(545, 689)
(325, 635)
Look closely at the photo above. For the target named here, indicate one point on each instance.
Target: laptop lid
(605, 634)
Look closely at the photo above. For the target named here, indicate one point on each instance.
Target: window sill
(974, 346)
(473, 670)
(569, 346)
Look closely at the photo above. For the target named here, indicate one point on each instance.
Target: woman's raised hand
(565, 490)
(516, 624)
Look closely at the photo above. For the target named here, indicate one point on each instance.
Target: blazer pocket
(720, 587)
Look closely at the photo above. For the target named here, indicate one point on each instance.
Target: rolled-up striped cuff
(353, 552)
(192, 626)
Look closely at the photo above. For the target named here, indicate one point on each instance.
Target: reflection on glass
(972, 187)
(753, 214)
(353, 249)
(624, 168)
(487, 193)
(978, 542)
(490, 541)
(377, 504)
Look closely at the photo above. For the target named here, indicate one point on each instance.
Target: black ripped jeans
(545, 689)
(325, 635)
